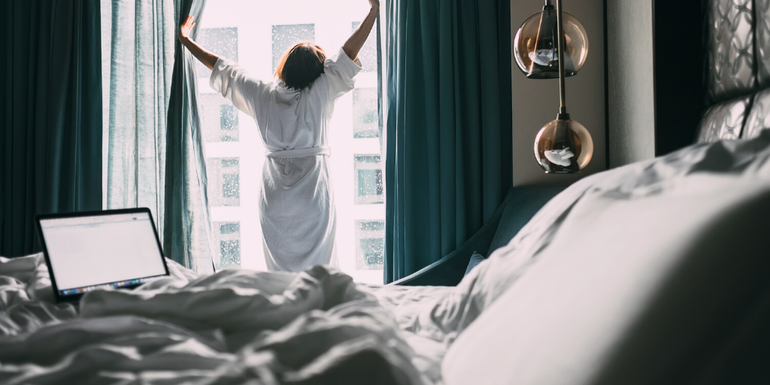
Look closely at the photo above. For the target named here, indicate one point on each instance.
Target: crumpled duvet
(232, 327)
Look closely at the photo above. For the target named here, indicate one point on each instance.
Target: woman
(293, 113)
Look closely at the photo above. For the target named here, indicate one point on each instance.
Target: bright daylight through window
(256, 34)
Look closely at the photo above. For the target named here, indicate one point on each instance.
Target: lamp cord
(560, 31)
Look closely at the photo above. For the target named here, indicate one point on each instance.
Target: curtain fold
(51, 137)
(187, 226)
(449, 139)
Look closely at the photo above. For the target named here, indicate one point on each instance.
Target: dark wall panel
(679, 68)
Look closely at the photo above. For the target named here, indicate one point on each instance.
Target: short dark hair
(301, 65)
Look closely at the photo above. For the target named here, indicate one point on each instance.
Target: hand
(375, 4)
(184, 30)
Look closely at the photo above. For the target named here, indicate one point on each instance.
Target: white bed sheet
(229, 327)
(417, 310)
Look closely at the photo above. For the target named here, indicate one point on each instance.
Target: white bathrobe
(296, 200)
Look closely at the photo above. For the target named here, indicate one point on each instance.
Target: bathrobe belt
(300, 152)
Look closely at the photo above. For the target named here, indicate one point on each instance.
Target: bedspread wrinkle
(232, 327)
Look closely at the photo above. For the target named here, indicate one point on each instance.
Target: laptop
(90, 250)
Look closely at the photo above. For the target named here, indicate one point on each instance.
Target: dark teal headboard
(518, 208)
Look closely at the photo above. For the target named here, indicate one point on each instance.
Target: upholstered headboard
(737, 69)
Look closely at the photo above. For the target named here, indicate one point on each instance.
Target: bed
(652, 273)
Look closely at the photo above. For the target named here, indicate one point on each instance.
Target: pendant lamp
(563, 146)
(535, 45)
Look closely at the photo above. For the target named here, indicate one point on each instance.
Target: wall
(655, 71)
(536, 102)
(631, 90)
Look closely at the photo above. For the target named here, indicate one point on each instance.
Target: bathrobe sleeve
(339, 73)
(235, 84)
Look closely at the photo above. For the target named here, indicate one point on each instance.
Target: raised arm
(207, 58)
(358, 38)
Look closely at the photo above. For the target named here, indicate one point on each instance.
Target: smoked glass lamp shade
(535, 46)
(563, 146)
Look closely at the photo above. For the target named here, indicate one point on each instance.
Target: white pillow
(649, 259)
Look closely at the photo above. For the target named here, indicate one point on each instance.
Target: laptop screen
(87, 252)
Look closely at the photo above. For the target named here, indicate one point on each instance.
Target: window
(368, 179)
(224, 173)
(230, 253)
(219, 118)
(227, 235)
(222, 40)
(245, 32)
(365, 120)
(370, 250)
(228, 123)
(230, 228)
(230, 187)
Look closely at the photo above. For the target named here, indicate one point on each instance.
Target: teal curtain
(51, 114)
(187, 226)
(154, 152)
(448, 128)
(138, 58)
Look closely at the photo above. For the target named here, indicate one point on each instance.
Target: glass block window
(228, 236)
(368, 179)
(285, 36)
(370, 244)
(365, 120)
(368, 53)
(224, 176)
(224, 40)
